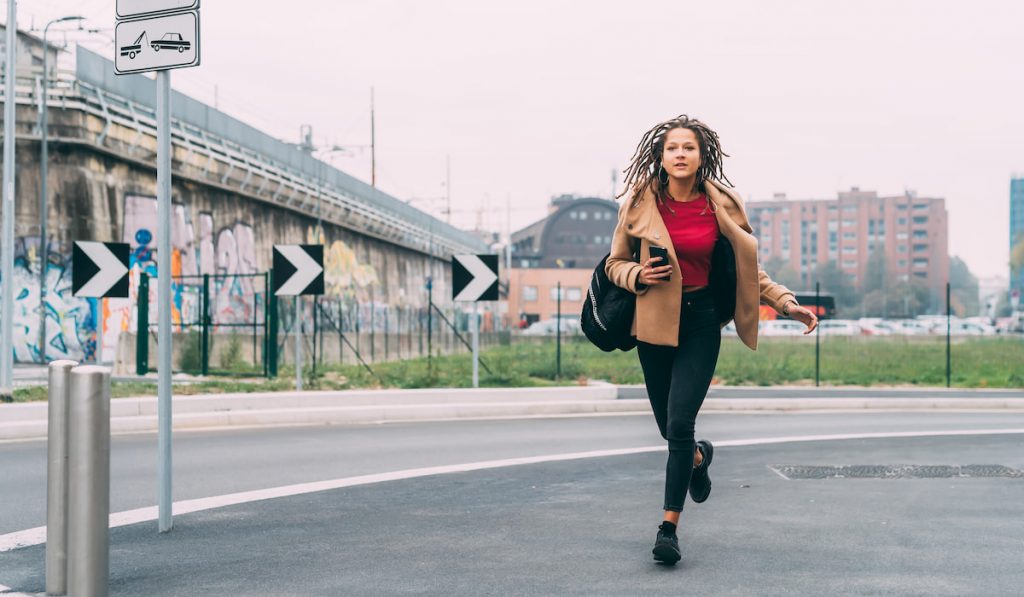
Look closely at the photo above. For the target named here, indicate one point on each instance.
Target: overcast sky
(537, 98)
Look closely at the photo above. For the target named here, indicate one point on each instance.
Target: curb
(135, 415)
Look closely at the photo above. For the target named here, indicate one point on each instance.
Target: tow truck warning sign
(157, 43)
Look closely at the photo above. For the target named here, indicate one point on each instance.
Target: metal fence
(230, 324)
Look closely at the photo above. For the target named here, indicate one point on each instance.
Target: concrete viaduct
(236, 192)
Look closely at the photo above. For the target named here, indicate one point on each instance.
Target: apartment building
(911, 231)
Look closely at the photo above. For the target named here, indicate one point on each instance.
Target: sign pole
(298, 343)
(100, 321)
(163, 184)
(7, 319)
(476, 346)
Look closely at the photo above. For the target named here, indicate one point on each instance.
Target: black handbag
(722, 279)
(607, 315)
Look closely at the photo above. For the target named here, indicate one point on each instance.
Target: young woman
(680, 206)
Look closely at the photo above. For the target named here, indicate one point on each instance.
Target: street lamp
(324, 152)
(44, 245)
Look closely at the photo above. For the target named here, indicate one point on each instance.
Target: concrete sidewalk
(28, 421)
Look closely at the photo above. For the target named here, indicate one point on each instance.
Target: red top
(693, 230)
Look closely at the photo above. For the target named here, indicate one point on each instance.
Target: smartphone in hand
(662, 252)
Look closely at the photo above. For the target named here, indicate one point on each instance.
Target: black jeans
(677, 380)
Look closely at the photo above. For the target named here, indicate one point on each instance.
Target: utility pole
(373, 143)
(44, 160)
(448, 185)
(6, 333)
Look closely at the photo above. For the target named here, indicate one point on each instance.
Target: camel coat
(656, 320)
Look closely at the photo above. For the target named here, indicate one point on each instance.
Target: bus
(825, 310)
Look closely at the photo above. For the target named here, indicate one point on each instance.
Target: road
(579, 526)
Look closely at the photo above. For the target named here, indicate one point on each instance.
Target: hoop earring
(661, 170)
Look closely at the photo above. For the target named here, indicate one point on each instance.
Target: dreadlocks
(645, 168)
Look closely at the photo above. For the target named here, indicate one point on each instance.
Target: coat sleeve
(772, 293)
(620, 267)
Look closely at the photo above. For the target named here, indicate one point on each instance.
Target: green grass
(976, 363)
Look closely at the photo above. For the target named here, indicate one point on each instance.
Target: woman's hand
(804, 316)
(652, 275)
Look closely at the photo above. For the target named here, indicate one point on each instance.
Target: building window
(901, 236)
(524, 263)
(583, 215)
(598, 239)
(573, 215)
(849, 208)
(920, 234)
(920, 207)
(919, 248)
(921, 274)
(919, 262)
(849, 235)
(920, 219)
(572, 294)
(901, 221)
(529, 293)
(902, 263)
(902, 248)
(849, 249)
(849, 263)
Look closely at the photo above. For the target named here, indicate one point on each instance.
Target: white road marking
(37, 535)
(9, 592)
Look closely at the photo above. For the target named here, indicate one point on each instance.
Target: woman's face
(681, 156)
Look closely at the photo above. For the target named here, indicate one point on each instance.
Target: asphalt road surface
(579, 526)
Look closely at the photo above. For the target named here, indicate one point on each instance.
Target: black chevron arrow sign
(99, 270)
(298, 269)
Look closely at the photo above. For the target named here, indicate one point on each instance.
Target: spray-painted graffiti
(70, 322)
(350, 284)
(344, 276)
(199, 245)
(227, 255)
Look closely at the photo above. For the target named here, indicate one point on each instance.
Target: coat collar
(644, 221)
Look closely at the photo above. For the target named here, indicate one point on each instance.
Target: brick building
(563, 247)
(911, 231)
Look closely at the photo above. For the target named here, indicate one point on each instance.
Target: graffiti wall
(203, 241)
(70, 322)
(228, 254)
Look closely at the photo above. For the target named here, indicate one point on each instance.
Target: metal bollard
(89, 481)
(57, 478)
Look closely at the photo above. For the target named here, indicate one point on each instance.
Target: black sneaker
(700, 481)
(666, 547)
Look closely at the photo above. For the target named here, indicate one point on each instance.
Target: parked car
(548, 327)
(912, 327)
(966, 328)
(839, 327)
(873, 326)
(781, 327)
